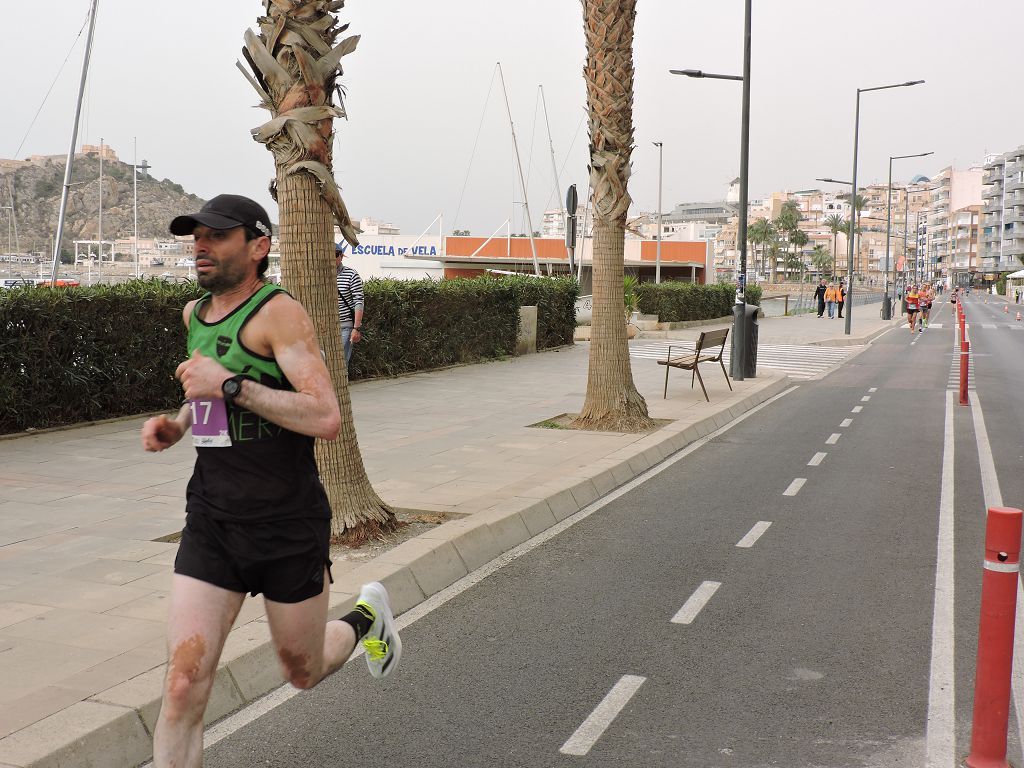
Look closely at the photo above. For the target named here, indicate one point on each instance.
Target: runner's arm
(161, 432)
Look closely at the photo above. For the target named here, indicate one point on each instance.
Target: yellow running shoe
(382, 644)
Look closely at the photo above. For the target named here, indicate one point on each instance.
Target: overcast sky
(422, 84)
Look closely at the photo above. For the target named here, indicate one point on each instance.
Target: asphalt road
(815, 648)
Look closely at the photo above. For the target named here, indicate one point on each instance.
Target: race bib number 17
(209, 424)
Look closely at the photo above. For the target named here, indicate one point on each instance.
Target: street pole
(906, 222)
(135, 201)
(100, 233)
(853, 193)
(739, 323)
(886, 301)
(657, 255)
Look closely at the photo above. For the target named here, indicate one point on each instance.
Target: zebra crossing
(996, 326)
(796, 361)
(953, 380)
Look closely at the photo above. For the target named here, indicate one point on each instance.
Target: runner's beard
(224, 278)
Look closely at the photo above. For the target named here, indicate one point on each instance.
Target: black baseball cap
(225, 212)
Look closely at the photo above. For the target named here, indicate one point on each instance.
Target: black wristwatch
(232, 388)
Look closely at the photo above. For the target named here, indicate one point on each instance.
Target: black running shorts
(285, 559)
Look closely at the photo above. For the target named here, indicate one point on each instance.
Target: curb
(115, 727)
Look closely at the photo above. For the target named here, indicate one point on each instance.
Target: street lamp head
(913, 82)
(687, 72)
(657, 144)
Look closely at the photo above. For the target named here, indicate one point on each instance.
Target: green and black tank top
(269, 472)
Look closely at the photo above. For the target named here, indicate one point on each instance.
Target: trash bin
(749, 360)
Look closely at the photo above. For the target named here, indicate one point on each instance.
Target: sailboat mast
(74, 141)
(522, 182)
(551, 145)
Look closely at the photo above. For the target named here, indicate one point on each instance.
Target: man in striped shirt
(350, 302)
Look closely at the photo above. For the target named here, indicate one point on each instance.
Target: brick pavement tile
(31, 664)
(67, 593)
(79, 629)
(35, 706)
(108, 571)
(13, 613)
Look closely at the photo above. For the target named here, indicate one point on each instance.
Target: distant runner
(926, 305)
(913, 299)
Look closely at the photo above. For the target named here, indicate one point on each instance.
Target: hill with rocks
(35, 186)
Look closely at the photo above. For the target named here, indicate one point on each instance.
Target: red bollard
(965, 356)
(995, 639)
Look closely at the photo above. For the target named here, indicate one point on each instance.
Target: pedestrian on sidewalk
(819, 294)
(350, 302)
(257, 517)
(831, 296)
(841, 298)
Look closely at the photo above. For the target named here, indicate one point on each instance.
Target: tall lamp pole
(135, 199)
(739, 323)
(853, 198)
(657, 255)
(887, 300)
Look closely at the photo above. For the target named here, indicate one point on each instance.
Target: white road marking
(940, 732)
(795, 486)
(797, 361)
(994, 498)
(857, 409)
(695, 602)
(845, 422)
(833, 438)
(816, 459)
(240, 719)
(754, 534)
(591, 729)
(865, 398)
(873, 389)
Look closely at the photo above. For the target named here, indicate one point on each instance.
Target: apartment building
(953, 225)
(1002, 212)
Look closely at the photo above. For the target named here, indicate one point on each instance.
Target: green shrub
(84, 354)
(676, 302)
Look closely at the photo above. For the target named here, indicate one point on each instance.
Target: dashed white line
(816, 459)
(873, 389)
(696, 602)
(833, 438)
(754, 534)
(857, 409)
(795, 486)
(865, 398)
(594, 726)
(845, 422)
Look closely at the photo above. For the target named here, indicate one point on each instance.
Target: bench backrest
(710, 339)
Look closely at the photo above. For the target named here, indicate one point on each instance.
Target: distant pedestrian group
(830, 297)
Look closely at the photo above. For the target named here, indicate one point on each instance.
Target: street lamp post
(853, 198)
(888, 301)
(739, 323)
(657, 255)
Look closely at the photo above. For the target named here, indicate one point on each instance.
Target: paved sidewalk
(84, 575)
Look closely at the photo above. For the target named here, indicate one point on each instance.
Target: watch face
(231, 387)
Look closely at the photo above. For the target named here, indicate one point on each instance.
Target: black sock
(360, 621)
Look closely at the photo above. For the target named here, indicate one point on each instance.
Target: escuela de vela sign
(390, 250)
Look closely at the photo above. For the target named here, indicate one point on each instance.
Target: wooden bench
(709, 349)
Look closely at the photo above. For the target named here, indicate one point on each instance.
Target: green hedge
(675, 302)
(83, 354)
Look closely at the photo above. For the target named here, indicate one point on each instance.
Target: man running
(257, 517)
(913, 302)
(925, 303)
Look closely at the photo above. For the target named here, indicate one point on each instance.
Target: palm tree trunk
(295, 80)
(612, 401)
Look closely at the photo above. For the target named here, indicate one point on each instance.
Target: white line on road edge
(994, 498)
(795, 486)
(695, 602)
(833, 438)
(940, 732)
(816, 459)
(754, 534)
(857, 409)
(279, 696)
(591, 729)
(845, 422)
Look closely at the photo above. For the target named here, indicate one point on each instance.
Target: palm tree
(612, 401)
(820, 258)
(836, 224)
(761, 232)
(799, 239)
(295, 65)
(788, 222)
